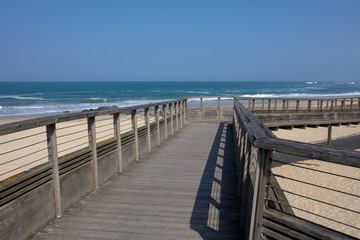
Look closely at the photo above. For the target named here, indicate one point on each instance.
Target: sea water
(46, 98)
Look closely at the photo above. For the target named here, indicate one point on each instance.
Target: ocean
(47, 98)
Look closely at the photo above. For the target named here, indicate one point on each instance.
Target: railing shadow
(216, 211)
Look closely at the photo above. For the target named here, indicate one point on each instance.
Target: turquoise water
(35, 98)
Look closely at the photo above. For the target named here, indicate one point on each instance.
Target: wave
(195, 92)
(22, 97)
(303, 95)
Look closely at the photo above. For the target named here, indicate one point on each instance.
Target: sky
(187, 40)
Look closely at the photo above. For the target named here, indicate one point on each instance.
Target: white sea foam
(302, 95)
(21, 97)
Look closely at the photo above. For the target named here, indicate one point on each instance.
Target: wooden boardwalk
(184, 189)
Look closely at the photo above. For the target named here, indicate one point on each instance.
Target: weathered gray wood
(92, 144)
(329, 136)
(202, 108)
(344, 157)
(157, 119)
(181, 110)
(147, 125)
(303, 226)
(117, 132)
(53, 158)
(165, 122)
(177, 192)
(135, 130)
(171, 119)
(176, 115)
(283, 229)
(219, 108)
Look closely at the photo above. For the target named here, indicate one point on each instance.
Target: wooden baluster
(157, 124)
(147, 125)
(117, 133)
(53, 158)
(92, 144)
(165, 121)
(135, 130)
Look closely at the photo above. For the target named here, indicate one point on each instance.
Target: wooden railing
(38, 156)
(71, 155)
(255, 146)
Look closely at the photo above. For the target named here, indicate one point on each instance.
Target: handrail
(43, 121)
(254, 147)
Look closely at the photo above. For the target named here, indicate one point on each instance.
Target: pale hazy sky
(286, 40)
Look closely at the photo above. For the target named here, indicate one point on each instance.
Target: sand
(31, 150)
(346, 191)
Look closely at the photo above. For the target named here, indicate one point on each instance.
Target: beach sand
(346, 191)
(31, 150)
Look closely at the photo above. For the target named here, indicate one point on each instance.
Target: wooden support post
(329, 135)
(184, 112)
(297, 105)
(287, 104)
(283, 107)
(276, 104)
(165, 121)
(176, 116)
(343, 104)
(135, 130)
(327, 104)
(321, 104)
(262, 104)
(219, 107)
(117, 133)
(171, 119)
(269, 104)
(332, 105)
(253, 104)
(157, 116)
(92, 144)
(202, 108)
(351, 103)
(259, 193)
(147, 125)
(249, 104)
(53, 158)
(245, 184)
(336, 104)
(309, 105)
(181, 110)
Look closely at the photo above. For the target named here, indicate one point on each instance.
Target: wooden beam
(92, 144)
(117, 133)
(135, 131)
(53, 158)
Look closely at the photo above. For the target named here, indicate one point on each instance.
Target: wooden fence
(255, 146)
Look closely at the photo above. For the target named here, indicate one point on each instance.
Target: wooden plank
(171, 194)
(344, 157)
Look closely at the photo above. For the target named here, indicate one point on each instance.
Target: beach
(318, 199)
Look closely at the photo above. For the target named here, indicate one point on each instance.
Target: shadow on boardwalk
(216, 210)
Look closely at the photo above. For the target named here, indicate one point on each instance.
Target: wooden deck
(184, 189)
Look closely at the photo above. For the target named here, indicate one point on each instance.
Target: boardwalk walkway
(184, 189)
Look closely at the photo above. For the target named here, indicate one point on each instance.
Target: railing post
(262, 104)
(176, 116)
(309, 105)
(202, 108)
(297, 105)
(287, 104)
(171, 119)
(343, 104)
(147, 125)
(180, 114)
(351, 103)
(92, 144)
(219, 108)
(329, 135)
(53, 158)
(117, 133)
(135, 130)
(253, 104)
(269, 104)
(184, 112)
(276, 104)
(332, 105)
(165, 121)
(259, 193)
(157, 124)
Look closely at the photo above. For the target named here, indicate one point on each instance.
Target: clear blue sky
(290, 40)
